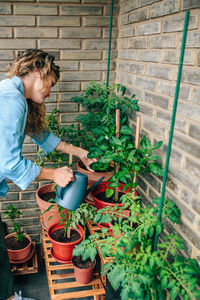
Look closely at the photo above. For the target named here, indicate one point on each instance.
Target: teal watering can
(71, 196)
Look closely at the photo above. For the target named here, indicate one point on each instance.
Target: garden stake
(117, 135)
(137, 142)
(187, 14)
(137, 139)
(110, 38)
(58, 100)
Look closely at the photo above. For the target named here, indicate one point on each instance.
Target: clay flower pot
(43, 205)
(83, 276)
(101, 188)
(62, 252)
(93, 176)
(22, 255)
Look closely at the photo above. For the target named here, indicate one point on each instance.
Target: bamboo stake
(117, 135)
(58, 100)
(137, 140)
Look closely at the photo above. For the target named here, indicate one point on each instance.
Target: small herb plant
(12, 213)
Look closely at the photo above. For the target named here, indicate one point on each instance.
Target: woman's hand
(87, 161)
(63, 176)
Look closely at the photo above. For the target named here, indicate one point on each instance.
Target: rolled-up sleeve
(47, 141)
(12, 164)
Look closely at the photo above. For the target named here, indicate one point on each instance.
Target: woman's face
(41, 89)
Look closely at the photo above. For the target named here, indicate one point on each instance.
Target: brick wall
(150, 36)
(77, 33)
(145, 57)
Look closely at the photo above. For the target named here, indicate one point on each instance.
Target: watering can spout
(71, 196)
(94, 185)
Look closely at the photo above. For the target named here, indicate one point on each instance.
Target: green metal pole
(110, 39)
(172, 122)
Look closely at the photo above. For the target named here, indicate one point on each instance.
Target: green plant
(132, 161)
(142, 273)
(87, 248)
(12, 212)
(82, 214)
(98, 125)
(136, 269)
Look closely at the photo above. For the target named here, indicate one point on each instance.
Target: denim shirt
(13, 114)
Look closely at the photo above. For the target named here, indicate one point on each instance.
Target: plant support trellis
(172, 121)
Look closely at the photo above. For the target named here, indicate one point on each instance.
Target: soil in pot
(81, 164)
(48, 196)
(58, 235)
(78, 262)
(13, 244)
(102, 196)
(83, 269)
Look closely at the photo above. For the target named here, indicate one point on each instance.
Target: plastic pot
(63, 251)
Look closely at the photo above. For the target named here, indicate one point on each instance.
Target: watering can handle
(94, 185)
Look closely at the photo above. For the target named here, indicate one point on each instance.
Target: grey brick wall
(77, 33)
(150, 36)
(146, 41)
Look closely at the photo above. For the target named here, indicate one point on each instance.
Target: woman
(31, 76)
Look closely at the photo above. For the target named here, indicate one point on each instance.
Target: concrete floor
(34, 285)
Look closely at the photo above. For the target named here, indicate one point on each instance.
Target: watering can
(71, 196)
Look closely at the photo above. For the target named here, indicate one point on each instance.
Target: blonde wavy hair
(27, 61)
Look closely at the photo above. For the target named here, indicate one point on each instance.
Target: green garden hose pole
(110, 39)
(172, 121)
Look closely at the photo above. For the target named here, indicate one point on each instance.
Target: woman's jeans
(6, 277)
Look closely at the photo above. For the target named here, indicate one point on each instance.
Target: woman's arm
(77, 151)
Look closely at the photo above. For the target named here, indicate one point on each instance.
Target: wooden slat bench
(61, 280)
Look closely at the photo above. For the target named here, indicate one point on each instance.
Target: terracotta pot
(101, 204)
(43, 205)
(83, 275)
(63, 251)
(94, 176)
(22, 254)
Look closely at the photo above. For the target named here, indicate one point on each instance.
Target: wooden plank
(28, 267)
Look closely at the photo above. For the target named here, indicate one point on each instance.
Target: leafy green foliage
(132, 161)
(82, 214)
(98, 125)
(12, 213)
(136, 269)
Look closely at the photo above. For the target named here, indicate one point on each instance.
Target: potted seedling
(67, 233)
(64, 236)
(19, 244)
(84, 260)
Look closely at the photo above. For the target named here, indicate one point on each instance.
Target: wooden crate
(61, 280)
(97, 228)
(29, 267)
